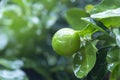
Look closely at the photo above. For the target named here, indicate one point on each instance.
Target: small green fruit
(66, 42)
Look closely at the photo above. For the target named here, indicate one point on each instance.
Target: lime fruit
(66, 42)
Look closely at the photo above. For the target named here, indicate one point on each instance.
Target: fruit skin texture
(66, 42)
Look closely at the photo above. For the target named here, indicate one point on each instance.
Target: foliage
(102, 29)
(26, 29)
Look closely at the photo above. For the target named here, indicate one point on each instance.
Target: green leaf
(87, 31)
(113, 57)
(117, 33)
(115, 75)
(106, 5)
(96, 24)
(11, 64)
(12, 75)
(73, 17)
(100, 68)
(111, 66)
(103, 38)
(110, 18)
(108, 12)
(84, 60)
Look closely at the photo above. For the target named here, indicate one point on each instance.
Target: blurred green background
(26, 29)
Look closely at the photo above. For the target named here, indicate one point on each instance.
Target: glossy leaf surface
(113, 57)
(111, 18)
(115, 75)
(103, 39)
(87, 31)
(108, 12)
(100, 68)
(84, 60)
(116, 31)
(96, 24)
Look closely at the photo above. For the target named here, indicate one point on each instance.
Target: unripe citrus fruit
(66, 42)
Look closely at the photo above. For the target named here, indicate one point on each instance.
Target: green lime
(66, 42)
